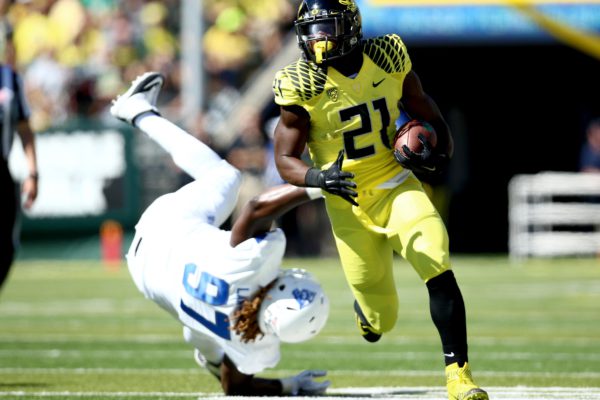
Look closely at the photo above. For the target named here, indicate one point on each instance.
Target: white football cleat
(139, 98)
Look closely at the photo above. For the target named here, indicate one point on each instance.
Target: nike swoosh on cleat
(150, 86)
(375, 84)
(149, 83)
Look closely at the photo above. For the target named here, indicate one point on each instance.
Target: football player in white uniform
(225, 287)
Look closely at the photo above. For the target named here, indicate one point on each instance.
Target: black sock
(448, 314)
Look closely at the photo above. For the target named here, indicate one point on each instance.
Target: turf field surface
(80, 330)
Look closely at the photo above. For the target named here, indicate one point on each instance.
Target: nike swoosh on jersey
(375, 84)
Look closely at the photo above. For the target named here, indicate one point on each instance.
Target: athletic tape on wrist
(314, 193)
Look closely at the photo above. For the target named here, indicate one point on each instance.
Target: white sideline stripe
(481, 341)
(105, 394)
(378, 373)
(65, 338)
(353, 393)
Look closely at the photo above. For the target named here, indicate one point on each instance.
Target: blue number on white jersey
(211, 290)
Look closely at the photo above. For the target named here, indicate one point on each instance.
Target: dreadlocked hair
(246, 316)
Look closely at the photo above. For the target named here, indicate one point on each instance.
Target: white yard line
(583, 342)
(357, 393)
(358, 373)
(411, 355)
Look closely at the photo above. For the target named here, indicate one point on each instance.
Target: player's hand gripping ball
(408, 135)
(414, 149)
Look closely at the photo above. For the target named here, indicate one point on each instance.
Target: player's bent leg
(448, 314)
(189, 153)
(213, 194)
(420, 235)
(211, 197)
(138, 107)
(423, 240)
(368, 271)
(460, 384)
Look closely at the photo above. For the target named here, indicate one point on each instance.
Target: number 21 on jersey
(211, 290)
(362, 111)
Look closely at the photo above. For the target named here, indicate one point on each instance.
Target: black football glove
(333, 180)
(427, 163)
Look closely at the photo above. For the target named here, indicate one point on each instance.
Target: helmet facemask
(329, 34)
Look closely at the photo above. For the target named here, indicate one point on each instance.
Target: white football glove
(303, 384)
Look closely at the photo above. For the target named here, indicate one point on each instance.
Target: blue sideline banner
(472, 22)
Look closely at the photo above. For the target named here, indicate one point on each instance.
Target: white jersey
(187, 266)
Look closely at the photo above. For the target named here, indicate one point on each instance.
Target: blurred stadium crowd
(75, 56)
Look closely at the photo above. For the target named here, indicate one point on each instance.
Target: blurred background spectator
(76, 55)
(589, 160)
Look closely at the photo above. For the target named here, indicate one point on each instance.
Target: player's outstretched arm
(258, 214)
(234, 383)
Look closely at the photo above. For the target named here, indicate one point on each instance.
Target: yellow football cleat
(460, 384)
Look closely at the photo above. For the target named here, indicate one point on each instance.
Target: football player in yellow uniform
(342, 98)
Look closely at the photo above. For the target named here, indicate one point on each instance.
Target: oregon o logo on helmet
(349, 3)
(304, 297)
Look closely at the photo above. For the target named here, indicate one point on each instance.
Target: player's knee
(445, 279)
(427, 248)
(388, 322)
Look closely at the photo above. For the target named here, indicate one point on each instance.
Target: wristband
(311, 179)
(33, 175)
(314, 193)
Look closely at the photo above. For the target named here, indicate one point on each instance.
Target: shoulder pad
(389, 53)
(298, 82)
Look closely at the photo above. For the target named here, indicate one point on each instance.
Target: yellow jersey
(356, 114)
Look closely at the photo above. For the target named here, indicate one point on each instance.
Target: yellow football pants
(401, 220)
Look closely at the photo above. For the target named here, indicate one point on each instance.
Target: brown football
(408, 134)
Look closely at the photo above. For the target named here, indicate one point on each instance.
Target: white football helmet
(295, 308)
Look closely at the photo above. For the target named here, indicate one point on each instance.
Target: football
(408, 134)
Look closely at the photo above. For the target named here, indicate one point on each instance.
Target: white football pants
(209, 199)
(213, 194)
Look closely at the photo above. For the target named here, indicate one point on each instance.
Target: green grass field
(78, 330)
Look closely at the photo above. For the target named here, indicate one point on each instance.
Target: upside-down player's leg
(205, 203)
(188, 153)
(214, 193)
